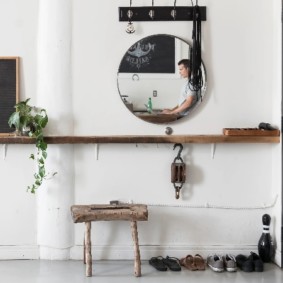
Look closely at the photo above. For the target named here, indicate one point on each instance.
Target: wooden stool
(109, 212)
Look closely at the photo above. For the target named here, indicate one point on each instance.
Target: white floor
(43, 271)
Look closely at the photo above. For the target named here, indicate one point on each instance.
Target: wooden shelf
(9, 139)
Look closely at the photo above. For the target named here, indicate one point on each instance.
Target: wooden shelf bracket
(5, 147)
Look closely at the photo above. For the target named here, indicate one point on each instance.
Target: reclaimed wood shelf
(9, 139)
(249, 132)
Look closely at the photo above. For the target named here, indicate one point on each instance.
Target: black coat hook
(160, 13)
(178, 157)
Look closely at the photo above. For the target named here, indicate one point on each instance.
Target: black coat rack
(159, 13)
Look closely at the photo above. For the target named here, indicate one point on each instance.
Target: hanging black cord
(195, 79)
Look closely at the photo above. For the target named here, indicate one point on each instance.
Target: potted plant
(30, 120)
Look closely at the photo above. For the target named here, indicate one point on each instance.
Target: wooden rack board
(249, 132)
(161, 13)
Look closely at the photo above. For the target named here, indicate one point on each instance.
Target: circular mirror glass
(153, 84)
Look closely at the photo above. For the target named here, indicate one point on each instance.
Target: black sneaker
(245, 263)
(250, 263)
(258, 263)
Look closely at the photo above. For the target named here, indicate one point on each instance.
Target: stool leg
(136, 248)
(88, 256)
(84, 250)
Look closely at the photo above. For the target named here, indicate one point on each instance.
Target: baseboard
(50, 253)
(19, 252)
(127, 252)
(124, 252)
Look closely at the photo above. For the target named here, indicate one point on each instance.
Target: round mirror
(153, 79)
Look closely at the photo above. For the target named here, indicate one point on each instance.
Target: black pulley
(178, 171)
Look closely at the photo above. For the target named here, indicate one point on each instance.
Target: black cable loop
(196, 80)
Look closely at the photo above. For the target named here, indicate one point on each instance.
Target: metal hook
(180, 150)
(177, 192)
(151, 12)
(130, 12)
(130, 27)
(173, 12)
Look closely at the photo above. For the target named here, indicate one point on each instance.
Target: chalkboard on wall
(153, 54)
(9, 90)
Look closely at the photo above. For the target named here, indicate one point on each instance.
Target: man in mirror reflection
(188, 97)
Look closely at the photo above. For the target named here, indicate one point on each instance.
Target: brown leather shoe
(199, 262)
(188, 262)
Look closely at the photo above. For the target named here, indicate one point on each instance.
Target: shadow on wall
(194, 174)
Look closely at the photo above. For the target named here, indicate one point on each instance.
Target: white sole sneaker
(216, 269)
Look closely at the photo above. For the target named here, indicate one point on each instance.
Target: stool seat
(109, 212)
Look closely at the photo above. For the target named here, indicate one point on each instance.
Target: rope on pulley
(196, 79)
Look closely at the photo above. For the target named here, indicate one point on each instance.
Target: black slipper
(172, 263)
(157, 262)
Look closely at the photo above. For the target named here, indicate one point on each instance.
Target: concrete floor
(44, 271)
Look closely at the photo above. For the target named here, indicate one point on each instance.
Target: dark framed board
(9, 90)
(153, 54)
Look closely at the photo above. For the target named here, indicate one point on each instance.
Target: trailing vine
(29, 120)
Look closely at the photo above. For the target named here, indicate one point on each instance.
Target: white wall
(242, 59)
(18, 209)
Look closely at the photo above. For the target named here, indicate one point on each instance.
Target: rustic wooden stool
(109, 212)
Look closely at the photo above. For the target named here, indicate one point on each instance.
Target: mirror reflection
(153, 79)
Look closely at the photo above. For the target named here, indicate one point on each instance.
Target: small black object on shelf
(266, 126)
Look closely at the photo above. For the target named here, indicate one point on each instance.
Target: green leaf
(41, 172)
(44, 154)
(38, 183)
(14, 120)
(43, 122)
(43, 145)
(32, 156)
(39, 136)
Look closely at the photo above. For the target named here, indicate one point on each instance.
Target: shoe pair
(250, 263)
(220, 263)
(162, 264)
(193, 262)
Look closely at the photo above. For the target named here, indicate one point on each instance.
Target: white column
(55, 196)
